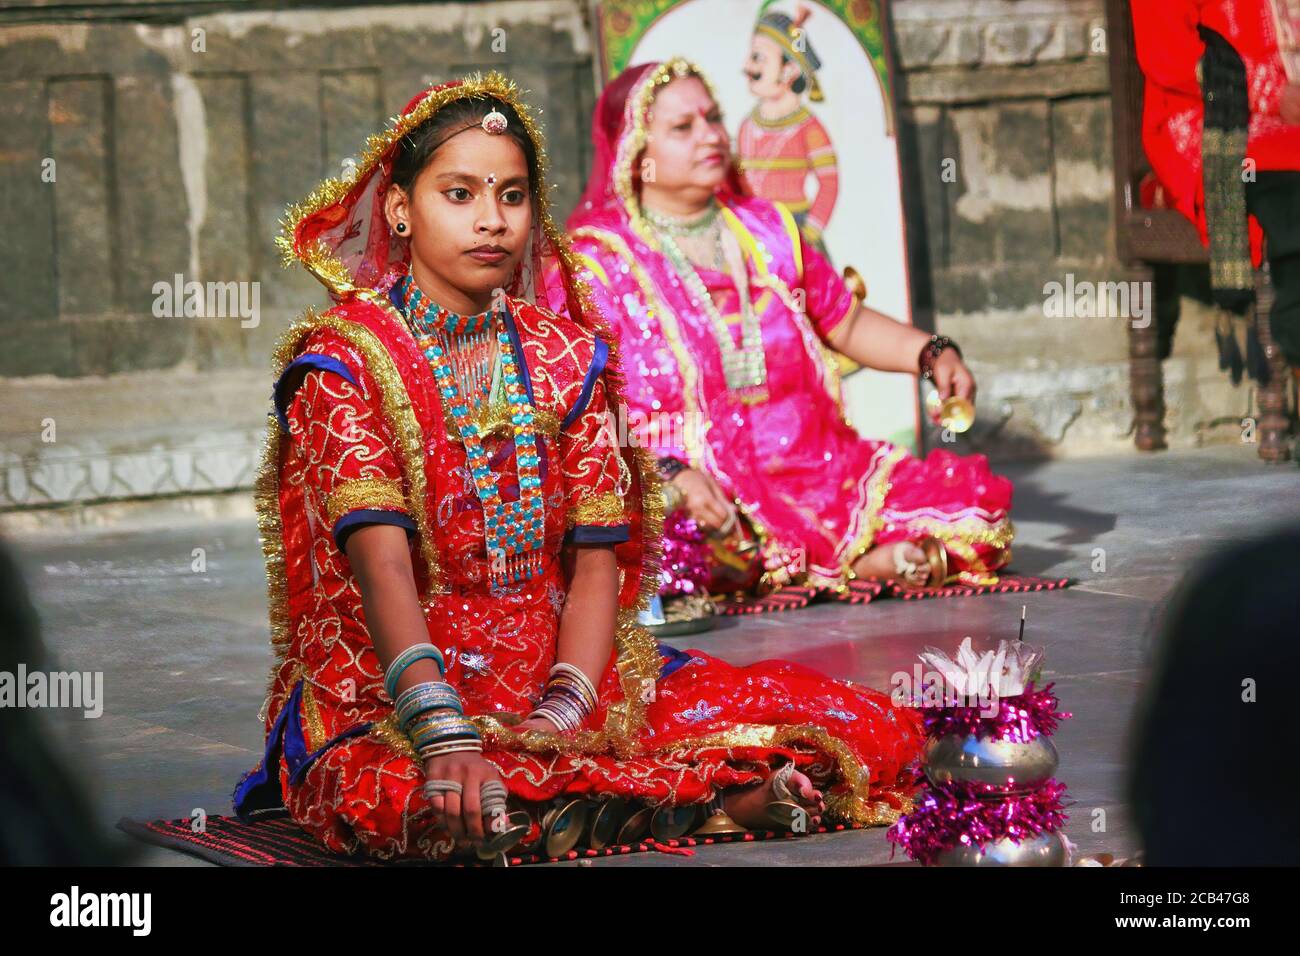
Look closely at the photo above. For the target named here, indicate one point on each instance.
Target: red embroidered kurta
(361, 438)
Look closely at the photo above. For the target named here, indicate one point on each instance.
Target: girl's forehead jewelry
(494, 123)
(490, 179)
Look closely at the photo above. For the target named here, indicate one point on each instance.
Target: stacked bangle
(436, 734)
(569, 698)
(430, 712)
(405, 659)
(430, 695)
(933, 349)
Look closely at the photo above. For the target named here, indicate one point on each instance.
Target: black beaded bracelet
(670, 467)
(933, 349)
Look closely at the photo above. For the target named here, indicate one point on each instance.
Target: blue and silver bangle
(406, 658)
(424, 697)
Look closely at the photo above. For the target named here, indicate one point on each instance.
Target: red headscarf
(339, 232)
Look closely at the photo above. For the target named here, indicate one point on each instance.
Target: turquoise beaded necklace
(514, 530)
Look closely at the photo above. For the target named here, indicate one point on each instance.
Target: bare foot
(879, 563)
(745, 805)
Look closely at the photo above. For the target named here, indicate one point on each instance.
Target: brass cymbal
(636, 825)
(604, 819)
(563, 827)
(669, 823)
(718, 824)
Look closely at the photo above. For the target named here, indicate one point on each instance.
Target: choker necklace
(419, 305)
(514, 530)
(683, 226)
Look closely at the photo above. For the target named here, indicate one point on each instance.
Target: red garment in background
(1168, 50)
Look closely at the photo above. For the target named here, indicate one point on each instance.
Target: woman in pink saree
(725, 315)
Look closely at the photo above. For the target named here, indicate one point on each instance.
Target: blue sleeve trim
(258, 790)
(675, 661)
(597, 534)
(598, 362)
(353, 520)
(291, 378)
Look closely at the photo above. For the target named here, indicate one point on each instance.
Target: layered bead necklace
(459, 351)
(743, 367)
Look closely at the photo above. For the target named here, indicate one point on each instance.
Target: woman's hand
(536, 723)
(705, 501)
(463, 812)
(952, 377)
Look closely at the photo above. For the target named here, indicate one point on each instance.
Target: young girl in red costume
(457, 549)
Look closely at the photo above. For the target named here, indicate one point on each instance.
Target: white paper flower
(998, 673)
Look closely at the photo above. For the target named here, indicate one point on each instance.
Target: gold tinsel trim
(855, 805)
(602, 509)
(381, 493)
(315, 726)
(873, 502)
(266, 503)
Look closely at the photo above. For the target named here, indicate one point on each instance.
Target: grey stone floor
(184, 654)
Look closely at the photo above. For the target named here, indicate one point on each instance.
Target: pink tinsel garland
(1020, 717)
(685, 561)
(954, 815)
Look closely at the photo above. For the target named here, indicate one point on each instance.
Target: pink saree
(817, 494)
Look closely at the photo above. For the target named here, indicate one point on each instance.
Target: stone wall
(177, 140)
(177, 146)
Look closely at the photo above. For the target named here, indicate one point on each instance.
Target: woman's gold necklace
(744, 367)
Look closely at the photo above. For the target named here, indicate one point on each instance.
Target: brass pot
(1006, 766)
(1046, 849)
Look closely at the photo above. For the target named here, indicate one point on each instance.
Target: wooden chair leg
(1273, 418)
(1147, 385)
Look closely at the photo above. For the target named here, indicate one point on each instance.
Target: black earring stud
(401, 228)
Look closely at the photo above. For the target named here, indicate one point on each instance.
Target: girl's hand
(952, 377)
(705, 501)
(537, 723)
(463, 812)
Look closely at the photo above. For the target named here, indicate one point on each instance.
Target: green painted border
(622, 24)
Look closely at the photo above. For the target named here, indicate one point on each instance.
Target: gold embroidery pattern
(606, 509)
(380, 493)
(855, 805)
